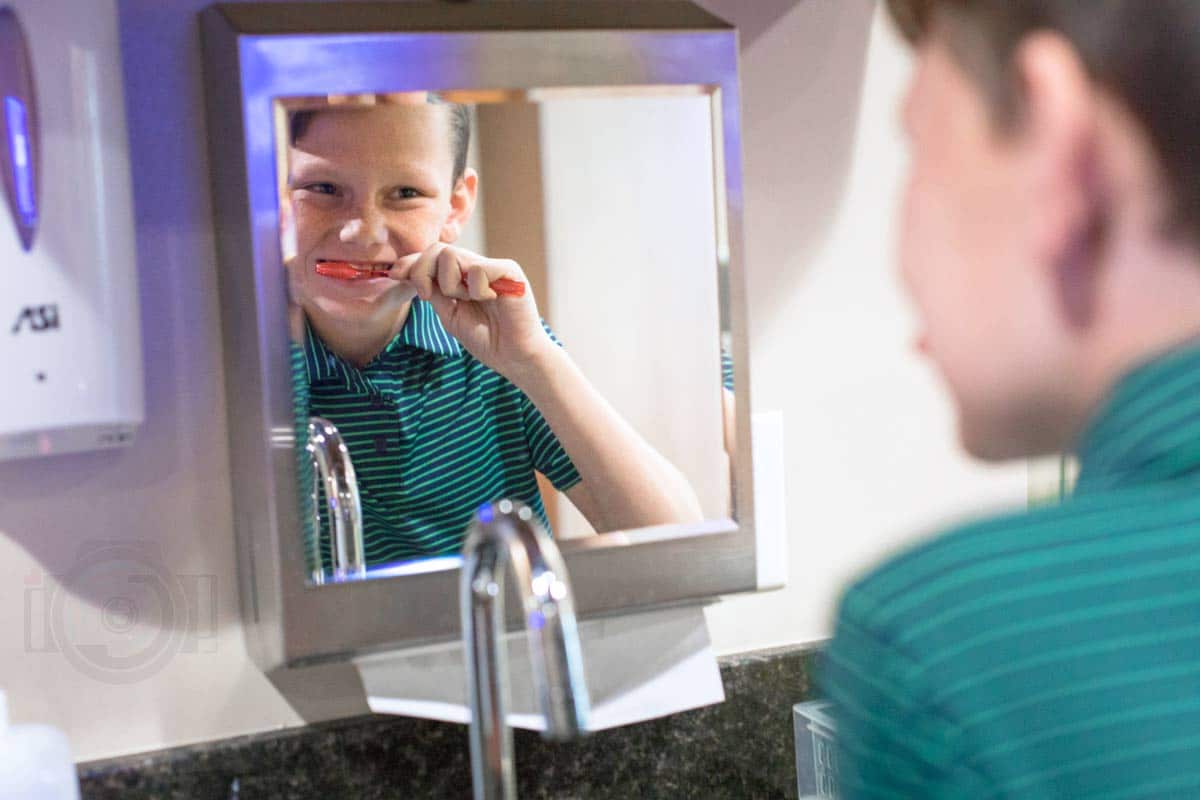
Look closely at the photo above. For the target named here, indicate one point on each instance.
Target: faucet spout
(503, 536)
(334, 471)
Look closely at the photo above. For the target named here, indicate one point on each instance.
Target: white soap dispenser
(70, 336)
(35, 762)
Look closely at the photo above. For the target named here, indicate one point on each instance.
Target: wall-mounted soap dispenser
(70, 337)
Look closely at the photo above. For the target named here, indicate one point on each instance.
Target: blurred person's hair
(1144, 53)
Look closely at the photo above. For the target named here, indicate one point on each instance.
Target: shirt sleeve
(890, 741)
(549, 457)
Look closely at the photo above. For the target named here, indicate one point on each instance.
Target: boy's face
(370, 186)
(966, 255)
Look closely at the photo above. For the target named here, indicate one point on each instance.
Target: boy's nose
(364, 231)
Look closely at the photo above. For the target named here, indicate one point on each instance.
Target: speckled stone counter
(742, 748)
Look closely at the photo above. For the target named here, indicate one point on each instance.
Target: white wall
(871, 458)
(631, 250)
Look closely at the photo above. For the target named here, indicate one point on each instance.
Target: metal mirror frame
(257, 53)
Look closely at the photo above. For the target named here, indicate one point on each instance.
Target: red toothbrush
(346, 271)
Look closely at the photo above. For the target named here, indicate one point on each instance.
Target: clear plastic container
(816, 760)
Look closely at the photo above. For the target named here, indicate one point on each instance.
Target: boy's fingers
(508, 272)
(424, 271)
(456, 273)
(496, 269)
(450, 273)
(477, 283)
(402, 267)
(442, 305)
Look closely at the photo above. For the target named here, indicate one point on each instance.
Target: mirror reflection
(506, 300)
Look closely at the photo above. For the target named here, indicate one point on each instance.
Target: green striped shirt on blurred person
(1046, 654)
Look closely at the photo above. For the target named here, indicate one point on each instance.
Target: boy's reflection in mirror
(448, 394)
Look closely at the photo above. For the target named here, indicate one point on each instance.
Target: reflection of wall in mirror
(608, 205)
(511, 213)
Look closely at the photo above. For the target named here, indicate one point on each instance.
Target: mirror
(512, 295)
(606, 142)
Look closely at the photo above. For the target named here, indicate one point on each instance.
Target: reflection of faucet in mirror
(504, 536)
(333, 471)
(449, 393)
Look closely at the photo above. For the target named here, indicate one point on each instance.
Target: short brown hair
(460, 130)
(1145, 53)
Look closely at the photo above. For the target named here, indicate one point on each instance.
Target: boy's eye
(320, 188)
(405, 193)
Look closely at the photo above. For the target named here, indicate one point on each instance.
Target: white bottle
(35, 762)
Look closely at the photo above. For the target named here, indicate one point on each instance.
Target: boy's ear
(462, 204)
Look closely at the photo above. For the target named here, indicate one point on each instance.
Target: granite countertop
(742, 748)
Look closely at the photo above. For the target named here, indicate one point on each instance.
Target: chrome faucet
(506, 535)
(333, 468)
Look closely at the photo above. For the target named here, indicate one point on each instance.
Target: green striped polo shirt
(1045, 654)
(433, 434)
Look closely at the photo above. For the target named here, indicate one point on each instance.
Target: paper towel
(637, 667)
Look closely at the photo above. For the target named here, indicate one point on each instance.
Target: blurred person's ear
(1057, 133)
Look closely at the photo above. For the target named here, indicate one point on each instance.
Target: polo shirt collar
(422, 330)
(1149, 428)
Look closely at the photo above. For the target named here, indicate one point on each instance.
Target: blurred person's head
(1052, 212)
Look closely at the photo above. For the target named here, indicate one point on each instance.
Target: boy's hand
(503, 332)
